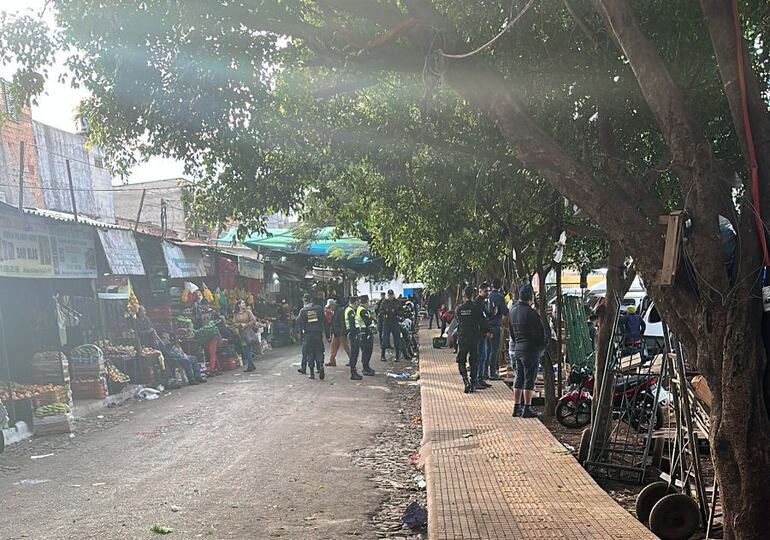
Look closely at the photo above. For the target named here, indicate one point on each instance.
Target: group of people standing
(352, 327)
(479, 335)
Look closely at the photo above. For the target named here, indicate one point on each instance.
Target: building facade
(46, 151)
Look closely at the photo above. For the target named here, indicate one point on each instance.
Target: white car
(653, 333)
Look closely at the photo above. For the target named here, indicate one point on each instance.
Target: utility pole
(139, 213)
(72, 191)
(21, 176)
(163, 218)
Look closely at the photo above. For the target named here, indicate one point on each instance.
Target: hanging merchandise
(207, 294)
(133, 305)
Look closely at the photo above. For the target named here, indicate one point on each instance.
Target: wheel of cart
(678, 506)
(618, 445)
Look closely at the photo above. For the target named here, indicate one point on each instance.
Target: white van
(637, 297)
(634, 297)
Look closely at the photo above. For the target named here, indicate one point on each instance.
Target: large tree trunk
(549, 383)
(740, 430)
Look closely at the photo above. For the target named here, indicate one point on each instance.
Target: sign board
(122, 252)
(113, 288)
(73, 251)
(250, 268)
(183, 261)
(34, 248)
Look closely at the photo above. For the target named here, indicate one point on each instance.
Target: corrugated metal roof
(70, 218)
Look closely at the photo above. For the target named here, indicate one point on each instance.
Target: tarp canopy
(283, 240)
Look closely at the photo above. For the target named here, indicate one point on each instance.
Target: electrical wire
(748, 134)
(489, 43)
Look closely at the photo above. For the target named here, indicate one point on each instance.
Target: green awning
(324, 244)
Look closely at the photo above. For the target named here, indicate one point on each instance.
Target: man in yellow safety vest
(353, 325)
(367, 326)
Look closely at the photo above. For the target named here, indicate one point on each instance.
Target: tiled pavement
(492, 476)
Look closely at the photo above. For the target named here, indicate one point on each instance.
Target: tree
(627, 109)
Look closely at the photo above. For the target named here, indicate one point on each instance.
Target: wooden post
(674, 223)
(21, 176)
(559, 337)
(72, 191)
(139, 213)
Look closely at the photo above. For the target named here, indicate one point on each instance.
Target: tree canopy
(627, 109)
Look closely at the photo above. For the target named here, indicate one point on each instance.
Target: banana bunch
(52, 410)
(207, 294)
(133, 305)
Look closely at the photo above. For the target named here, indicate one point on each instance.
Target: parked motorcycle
(633, 401)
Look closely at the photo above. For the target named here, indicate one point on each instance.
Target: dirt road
(261, 455)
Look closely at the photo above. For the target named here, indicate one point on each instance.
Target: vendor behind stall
(144, 328)
(174, 355)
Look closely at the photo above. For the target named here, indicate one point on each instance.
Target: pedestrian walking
(246, 323)
(499, 310)
(446, 317)
(339, 336)
(354, 324)
(380, 316)
(471, 328)
(531, 337)
(483, 302)
(390, 327)
(312, 325)
(434, 304)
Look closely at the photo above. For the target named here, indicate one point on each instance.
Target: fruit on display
(117, 351)
(184, 322)
(116, 375)
(52, 410)
(28, 391)
(207, 294)
(206, 333)
(86, 354)
(133, 305)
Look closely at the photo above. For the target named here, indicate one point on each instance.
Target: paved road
(260, 455)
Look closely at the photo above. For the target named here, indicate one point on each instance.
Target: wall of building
(13, 129)
(127, 199)
(92, 182)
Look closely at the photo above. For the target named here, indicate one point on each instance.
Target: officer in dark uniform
(471, 327)
(312, 322)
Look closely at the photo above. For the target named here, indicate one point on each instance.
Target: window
(654, 315)
(8, 107)
(98, 163)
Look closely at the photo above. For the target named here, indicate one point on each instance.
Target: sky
(56, 107)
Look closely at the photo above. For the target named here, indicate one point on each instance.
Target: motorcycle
(633, 401)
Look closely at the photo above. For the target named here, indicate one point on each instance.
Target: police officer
(390, 309)
(366, 336)
(472, 326)
(312, 324)
(354, 324)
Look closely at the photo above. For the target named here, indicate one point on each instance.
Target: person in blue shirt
(632, 327)
(498, 310)
(482, 366)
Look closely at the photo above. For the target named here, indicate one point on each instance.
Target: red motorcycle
(633, 401)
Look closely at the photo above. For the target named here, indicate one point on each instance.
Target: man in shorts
(531, 337)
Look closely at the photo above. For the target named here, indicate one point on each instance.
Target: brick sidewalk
(492, 476)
